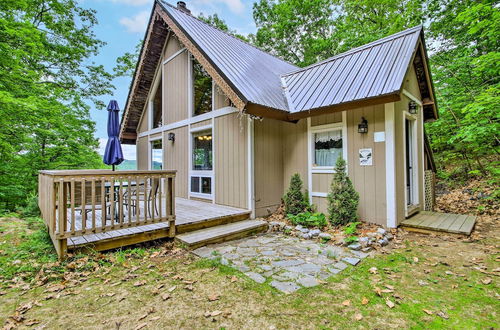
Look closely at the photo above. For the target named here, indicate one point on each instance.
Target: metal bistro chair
(86, 206)
(150, 196)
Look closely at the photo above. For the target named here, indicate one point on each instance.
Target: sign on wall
(365, 157)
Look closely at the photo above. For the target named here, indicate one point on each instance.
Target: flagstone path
(285, 262)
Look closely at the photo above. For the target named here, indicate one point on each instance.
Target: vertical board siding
(173, 46)
(144, 125)
(175, 89)
(329, 118)
(220, 100)
(294, 151)
(231, 165)
(321, 182)
(175, 157)
(321, 204)
(268, 165)
(142, 153)
(369, 181)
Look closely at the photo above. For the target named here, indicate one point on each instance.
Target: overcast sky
(122, 24)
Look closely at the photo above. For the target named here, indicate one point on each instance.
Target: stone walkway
(286, 263)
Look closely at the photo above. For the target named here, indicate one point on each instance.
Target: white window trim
(151, 96)
(310, 150)
(416, 165)
(150, 150)
(201, 173)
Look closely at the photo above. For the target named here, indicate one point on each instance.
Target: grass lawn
(426, 282)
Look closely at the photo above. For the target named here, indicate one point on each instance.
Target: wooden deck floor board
(441, 222)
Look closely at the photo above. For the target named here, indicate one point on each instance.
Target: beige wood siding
(142, 153)
(144, 123)
(321, 204)
(268, 165)
(173, 46)
(175, 157)
(202, 123)
(369, 181)
(321, 182)
(220, 100)
(326, 119)
(294, 151)
(175, 89)
(231, 166)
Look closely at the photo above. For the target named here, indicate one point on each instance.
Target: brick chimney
(181, 5)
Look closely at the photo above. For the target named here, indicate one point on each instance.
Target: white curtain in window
(327, 147)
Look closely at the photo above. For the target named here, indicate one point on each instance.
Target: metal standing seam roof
(253, 72)
(372, 70)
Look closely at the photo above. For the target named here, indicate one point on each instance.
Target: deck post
(171, 203)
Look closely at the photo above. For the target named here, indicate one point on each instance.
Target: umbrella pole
(113, 167)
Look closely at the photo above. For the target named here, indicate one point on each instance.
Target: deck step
(221, 233)
(435, 222)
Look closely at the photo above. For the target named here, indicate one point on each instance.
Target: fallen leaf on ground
(156, 318)
(139, 283)
(140, 326)
(428, 311)
(189, 287)
(415, 259)
(213, 297)
(422, 283)
(172, 288)
(56, 288)
(143, 317)
(177, 277)
(389, 303)
(165, 296)
(212, 314)
(390, 287)
(373, 270)
(346, 303)
(443, 315)
(29, 323)
(364, 301)
(358, 317)
(233, 279)
(487, 280)
(378, 291)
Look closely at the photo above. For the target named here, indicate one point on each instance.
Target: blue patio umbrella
(113, 154)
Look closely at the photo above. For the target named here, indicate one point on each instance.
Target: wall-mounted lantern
(171, 137)
(363, 126)
(412, 107)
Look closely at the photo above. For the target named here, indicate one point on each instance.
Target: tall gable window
(155, 105)
(202, 89)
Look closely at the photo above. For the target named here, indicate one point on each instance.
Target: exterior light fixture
(363, 126)
(171, 137)
(412, 107)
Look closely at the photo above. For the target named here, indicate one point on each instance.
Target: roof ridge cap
(162, 2)
(357, 49)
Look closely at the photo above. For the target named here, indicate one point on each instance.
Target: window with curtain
(327, 148)
(202, 151)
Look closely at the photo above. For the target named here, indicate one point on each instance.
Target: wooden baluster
(120, 202)
(137, 193)
(171, 206)
(146, 193)
(112, 200)
(160, 182)
(93, 204)
(54, 205)
(103, 203)
(129, 199)
(62, 209)
(153, 200)
(84, 206)
(72, 200)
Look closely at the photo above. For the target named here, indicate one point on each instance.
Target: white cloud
(134, 2)
(137, 23)
(127, 149)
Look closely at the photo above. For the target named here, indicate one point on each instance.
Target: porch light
(363, 126)
(412, 107)
(171, 137)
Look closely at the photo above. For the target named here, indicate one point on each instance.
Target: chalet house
(236, 122)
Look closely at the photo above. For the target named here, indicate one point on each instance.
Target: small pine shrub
(294, 199)
(343, 200)
(308, 219)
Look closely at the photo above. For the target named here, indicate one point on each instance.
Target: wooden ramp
(428, 222)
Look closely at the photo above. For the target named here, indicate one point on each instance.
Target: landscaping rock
(381, 231)
(306, 236)
(307, 281)
(304, 230)
(355, 246)
(360, 254)
(256, 277)
(287, 287)
(389, 236)
(288, 228)
(364, 240)
(298, 227)
(334, 270)
(366, 249)
(352, 261)
(383, 241)
(315, 232)
(340, 265)
(325, 236)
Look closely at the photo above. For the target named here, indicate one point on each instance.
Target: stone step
(221, 233)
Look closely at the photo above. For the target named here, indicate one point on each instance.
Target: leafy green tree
(343, 200)
(294, 198)
(46, 83)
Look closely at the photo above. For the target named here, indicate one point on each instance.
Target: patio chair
(139, 194)
(86, 206)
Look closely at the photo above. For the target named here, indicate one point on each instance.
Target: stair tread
(219, 231)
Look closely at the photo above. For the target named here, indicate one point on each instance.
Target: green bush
(343, 200)
(295, 200)
(30, 208)
(308, 219)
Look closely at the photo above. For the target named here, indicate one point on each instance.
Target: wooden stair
(221, 233)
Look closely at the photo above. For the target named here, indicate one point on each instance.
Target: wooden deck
(429, 222)
(190, 215)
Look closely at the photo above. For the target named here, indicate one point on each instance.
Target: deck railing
(79, 202)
